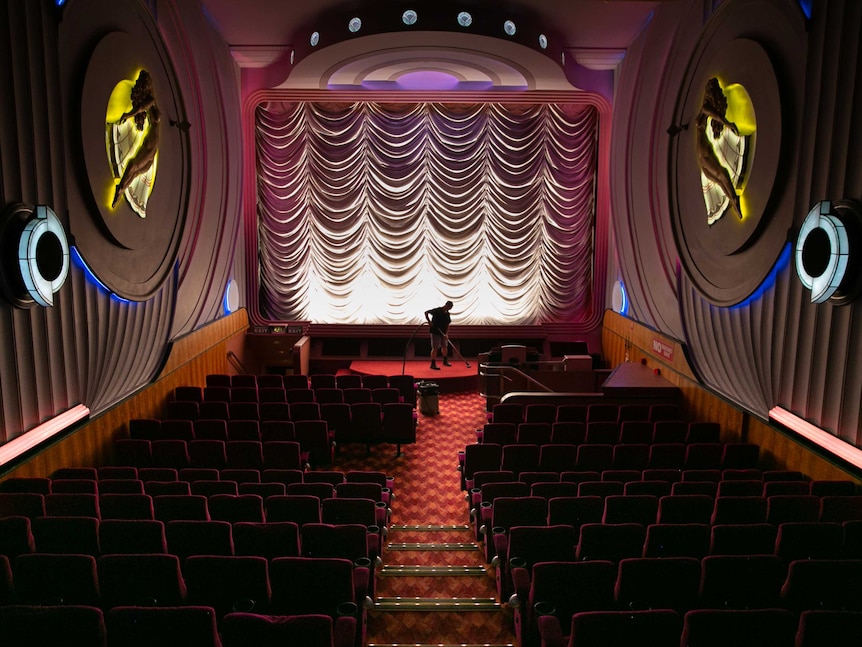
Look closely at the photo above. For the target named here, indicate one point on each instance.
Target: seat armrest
(551, 631)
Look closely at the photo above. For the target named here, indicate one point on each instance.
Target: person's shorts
(438, 340)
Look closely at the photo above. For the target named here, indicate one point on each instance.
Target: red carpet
(428, 492)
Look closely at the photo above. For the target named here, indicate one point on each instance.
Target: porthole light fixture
(509, 28)
(409, 17)
(465, 19)
(543, 41)
(315, 39)
(354, 25)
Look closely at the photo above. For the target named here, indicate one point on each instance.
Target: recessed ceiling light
(354, 25)
(509, 28)
(465, 19)
(409, 17)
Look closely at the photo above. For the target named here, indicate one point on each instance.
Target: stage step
(436, 604)
(409, 570)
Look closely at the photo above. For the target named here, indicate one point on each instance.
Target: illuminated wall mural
(726, 213)
(725, 125)
(132, 133)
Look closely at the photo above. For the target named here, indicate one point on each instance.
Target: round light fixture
(543, 41)
(315, 39)
(354, 25)
(509, 28)
(465, 19)
(409, 17)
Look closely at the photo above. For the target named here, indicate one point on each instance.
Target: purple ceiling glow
(427, 80)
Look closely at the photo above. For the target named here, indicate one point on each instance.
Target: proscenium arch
(520, 75)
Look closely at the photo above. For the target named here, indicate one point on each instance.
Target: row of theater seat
(529, 545)
(236, 394)
(320, 497)
(188, 626)
(92, 480)
(313, 448)
(605, 431)
(597, 411)
(281, 586)
(94, 537)
(314, 381)
(703, 628)
(519, 458)
(265, 411)
(362, 422)
(680, 584)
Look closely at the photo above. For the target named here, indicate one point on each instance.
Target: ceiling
(259, 32)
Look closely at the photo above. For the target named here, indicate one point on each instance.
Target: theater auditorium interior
(236, 411)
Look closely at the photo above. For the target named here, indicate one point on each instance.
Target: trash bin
(429, 403)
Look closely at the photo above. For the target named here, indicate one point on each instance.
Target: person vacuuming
(439, 320)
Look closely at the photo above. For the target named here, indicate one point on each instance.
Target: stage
(452, 379)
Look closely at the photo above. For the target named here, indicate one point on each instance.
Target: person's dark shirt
(440, 320)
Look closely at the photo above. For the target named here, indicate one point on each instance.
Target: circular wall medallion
(725, 158)
(133, 134)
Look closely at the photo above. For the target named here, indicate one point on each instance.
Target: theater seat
(740, 628)
(603, 628)
(67, 625)
(228, 583)
(310, 630)
(177, 626)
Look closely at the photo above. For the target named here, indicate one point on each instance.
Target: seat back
(228, 583)
(741, 581)
(132, 536)
(658, 583)
(42, 578)
(189, 626)
(141, 580)
(70, 625)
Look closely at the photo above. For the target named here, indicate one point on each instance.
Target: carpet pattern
(428, 493)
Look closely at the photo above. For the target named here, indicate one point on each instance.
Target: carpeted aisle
(434, 587)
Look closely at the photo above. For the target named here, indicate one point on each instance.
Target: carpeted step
(436, 604)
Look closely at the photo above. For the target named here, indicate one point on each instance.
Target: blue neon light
(806, 7)
(78, 261)
(780, 265)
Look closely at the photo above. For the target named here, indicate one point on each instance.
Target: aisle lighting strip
(28, 440)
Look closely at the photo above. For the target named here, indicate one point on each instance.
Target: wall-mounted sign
(662, 349)
(34, 255)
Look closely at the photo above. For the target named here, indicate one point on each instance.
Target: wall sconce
(829, 252)
(34, 255)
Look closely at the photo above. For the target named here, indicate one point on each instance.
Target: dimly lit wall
(775, 347)
(91, 347)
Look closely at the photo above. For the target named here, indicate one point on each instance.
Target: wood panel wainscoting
(191, 358)
(626, 340)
